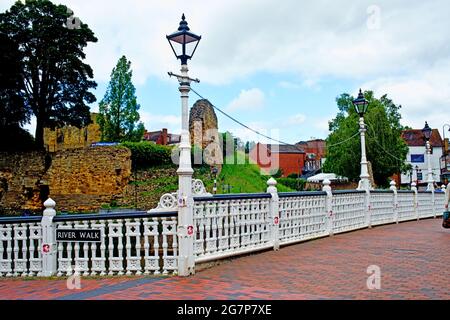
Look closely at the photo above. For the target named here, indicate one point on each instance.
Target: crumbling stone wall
(84, 179)
(71, 137)
(77, 179)
(20, 180)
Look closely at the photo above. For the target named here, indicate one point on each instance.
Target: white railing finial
(49, 205)
(393, 185)
(272, 185)
(326, 185)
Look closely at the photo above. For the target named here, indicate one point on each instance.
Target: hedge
(146, 154)
(296, 184)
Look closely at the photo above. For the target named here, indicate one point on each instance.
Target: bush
(14, 138)
(296, 184)
(293, 176)
(145, 154)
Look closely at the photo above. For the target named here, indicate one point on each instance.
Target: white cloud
(252, 99)
(289, 85)
(296, 119)
(153, 122)
(407, 57)
(424, 96)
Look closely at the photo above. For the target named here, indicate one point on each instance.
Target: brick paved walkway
(414, 258)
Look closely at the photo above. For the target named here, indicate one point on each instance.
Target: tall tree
(386, 150)
(55, 82)
(119, 116)
(13, 111)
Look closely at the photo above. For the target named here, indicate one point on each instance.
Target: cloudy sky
(277, 65)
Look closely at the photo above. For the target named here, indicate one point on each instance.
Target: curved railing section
(153, 242)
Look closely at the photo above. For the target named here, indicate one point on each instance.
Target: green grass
(244, 178)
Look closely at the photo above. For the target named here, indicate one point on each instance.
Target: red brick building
(315, 151)
(162, 137)
(271, 157)
(317, 147)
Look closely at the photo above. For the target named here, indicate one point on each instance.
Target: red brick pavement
(413, 258)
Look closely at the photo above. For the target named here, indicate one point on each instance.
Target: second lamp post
(427, 131)
(361, 105)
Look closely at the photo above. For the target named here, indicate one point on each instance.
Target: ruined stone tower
(203, 129)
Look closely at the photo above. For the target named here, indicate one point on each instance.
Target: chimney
(164, 137)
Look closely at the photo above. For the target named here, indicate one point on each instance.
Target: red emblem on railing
(190, 230)
(276, 220)
(46, 248)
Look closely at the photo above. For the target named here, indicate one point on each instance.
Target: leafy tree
(119, 116)
(13, 111)
(52, 82)
(385, 148)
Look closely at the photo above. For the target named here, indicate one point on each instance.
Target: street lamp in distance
(427, 131)
(361, 105)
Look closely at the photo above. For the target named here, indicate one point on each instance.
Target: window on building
(417, 158)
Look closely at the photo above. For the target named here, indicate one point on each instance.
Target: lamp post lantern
(361, 105)
(427, 131)
(184, 43)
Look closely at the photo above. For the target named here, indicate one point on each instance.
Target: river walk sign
(78, 235)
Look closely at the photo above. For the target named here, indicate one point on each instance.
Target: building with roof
(417, 156)
(162, 137)
(315, 150)
(271, 157)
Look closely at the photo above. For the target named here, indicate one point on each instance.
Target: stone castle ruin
(203, 128)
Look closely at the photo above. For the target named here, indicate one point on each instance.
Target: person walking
(446, 215)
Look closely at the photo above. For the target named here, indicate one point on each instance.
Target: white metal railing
(137, 243)
(439, 203)
(406, 205)
(349, 210)
(303, 216)
(131, 243)
(425, 204)
(20, 244)
(231, 225)
(382, 207)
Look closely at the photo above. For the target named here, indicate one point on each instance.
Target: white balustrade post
(433, 199)
(186, 262)
(368, 209)
(274, 212)
(415, 200)
(364, 182)
(395, 201)
(49, 248)
(328, 206)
